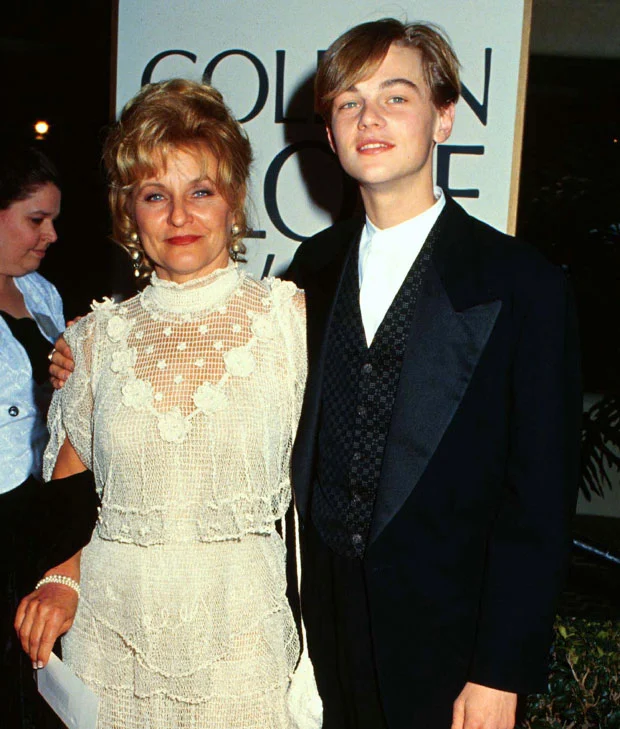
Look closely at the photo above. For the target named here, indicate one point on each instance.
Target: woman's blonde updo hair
(166, 116)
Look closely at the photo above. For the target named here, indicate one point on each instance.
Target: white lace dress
(184, 403)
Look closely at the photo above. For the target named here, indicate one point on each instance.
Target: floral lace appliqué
(105, 303)
(210, 399)
(123, 360)
(173, 427)
(239, 362)
(282, 291)
(137, 394)
(262, 327)
(117, 328)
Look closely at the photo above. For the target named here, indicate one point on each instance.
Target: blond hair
(164, 117)
(357, 54)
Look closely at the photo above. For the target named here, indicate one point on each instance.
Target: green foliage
(600, 446)
(584, 683)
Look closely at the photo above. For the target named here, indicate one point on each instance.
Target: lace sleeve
(292, 315)
(71, 412)
(299, 345)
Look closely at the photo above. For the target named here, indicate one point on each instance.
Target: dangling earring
(136, 255)
(137, 261)
(236, 247)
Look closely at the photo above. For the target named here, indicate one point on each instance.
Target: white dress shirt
(385, 258)
(23, 433)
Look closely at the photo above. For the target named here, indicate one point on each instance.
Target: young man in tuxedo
(435, 467)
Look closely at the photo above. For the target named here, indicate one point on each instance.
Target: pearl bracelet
(61, 580)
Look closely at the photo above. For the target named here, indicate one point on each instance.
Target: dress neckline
(198, 295)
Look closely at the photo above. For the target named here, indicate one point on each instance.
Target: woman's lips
(182, 240)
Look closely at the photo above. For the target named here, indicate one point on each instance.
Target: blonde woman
(184, 403)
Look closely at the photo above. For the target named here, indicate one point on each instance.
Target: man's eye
(397, 100)
(36, 221)
(348, 105)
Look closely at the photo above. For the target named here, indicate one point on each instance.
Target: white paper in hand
(75, 703)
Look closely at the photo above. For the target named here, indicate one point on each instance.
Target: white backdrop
(261, 54)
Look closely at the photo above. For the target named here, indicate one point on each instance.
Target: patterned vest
(359, 388)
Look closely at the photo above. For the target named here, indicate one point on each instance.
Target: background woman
(31, 317)
(184, 402)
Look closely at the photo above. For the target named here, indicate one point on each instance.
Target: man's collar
(402, 228)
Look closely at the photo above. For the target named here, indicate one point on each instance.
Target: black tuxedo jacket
(471, 529)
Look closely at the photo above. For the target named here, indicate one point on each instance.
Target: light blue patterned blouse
(23, 433)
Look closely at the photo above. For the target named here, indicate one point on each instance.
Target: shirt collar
(411, 227)
(407, 237)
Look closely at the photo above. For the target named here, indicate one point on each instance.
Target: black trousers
(340, 636)
(20, 568)
(339, 628)
(340, 640)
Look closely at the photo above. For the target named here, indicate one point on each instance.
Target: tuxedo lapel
(443, 351)
(448, 333)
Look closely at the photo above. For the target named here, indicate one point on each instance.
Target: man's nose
(370, 116)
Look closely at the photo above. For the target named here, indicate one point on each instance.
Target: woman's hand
(42, 616)
(48, 612)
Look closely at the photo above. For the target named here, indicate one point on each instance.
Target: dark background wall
(55, 62)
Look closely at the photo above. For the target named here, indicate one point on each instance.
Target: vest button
(367, 368)
(356, 540)
(361, 411)
(13, 411)
(357, 455)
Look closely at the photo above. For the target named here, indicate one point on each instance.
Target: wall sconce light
(41, 128)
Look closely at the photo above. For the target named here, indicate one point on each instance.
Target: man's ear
(330, 138)
(444, 124)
